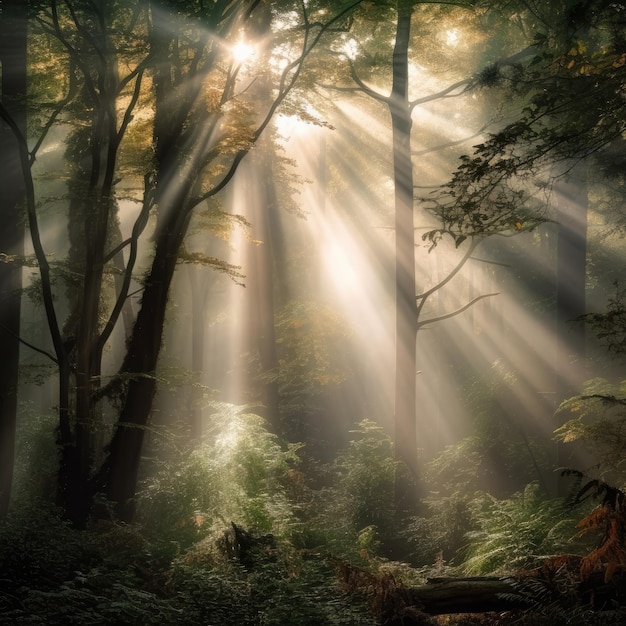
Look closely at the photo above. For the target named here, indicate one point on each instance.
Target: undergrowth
(518, 532)
(236, 532)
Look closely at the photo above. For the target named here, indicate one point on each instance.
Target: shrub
(517, 532)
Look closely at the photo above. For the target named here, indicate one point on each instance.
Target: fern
(598, 420)
(518, 532)
(610, 519)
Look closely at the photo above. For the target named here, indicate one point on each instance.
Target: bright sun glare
(452, 37)
(242, 51)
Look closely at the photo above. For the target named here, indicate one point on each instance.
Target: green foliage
(110, 574)
(499, 455)
(53, 574)
(366, 472)
(37, 548)
(437, 539)
(35, 440)
(354, 513)
(308, 334)
(311, 343)
(516, 532)
(298, 591)
(240, 473)
(610, 325)
(457, 466)
(569, 101)
(95, 599)
(598, 418)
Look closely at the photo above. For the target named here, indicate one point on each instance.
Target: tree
(13, 34)
(567, 132)
(409, 303)
(204, 125)
(178, 190)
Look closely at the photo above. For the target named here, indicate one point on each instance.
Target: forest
(312, 312)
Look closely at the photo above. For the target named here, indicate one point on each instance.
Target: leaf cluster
(609, 326)
(517, 532)
(598, 421)
(572, 102)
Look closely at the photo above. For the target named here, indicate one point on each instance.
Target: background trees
(149, 159)
(13, 34)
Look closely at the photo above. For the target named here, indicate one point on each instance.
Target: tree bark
(259, 271)
(405, 436)
(571, 274)
(395, 603)
(13, 33)
(467, 595)
(91, 213)
(122, 465)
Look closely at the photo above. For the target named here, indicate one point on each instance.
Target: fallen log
(468, 595)
(393, 602)
(396, 603)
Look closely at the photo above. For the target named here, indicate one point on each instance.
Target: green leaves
(598, 421)
(516, 532)
(609, 326)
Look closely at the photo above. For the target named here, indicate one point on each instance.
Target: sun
(242, 51)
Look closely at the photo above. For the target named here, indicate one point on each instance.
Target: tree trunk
(466, 595)
(92, 209)
(13, 31)
(122, 465)
(200, 287)
(260, 270)
(571, 273)
(405, 436)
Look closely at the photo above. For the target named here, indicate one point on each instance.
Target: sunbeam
(312, 312)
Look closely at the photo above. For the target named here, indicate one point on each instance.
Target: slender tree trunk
(260, 282)
(405, 436)
(264, 260)
(13, 31)
(122, 465)
(571, 272)
(200, 283)
(93, 208)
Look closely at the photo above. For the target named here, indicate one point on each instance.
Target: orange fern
(610, 555)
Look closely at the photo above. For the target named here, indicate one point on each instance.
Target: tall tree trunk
(262, 258)
(122, 465)
(260, 281)
(200, 287)
(571, 272)
(92, 210)
(405, 435)
(13, 31)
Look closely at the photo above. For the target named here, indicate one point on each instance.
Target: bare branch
(30, 345)
(422, 296)
(457, 312)
(449, 144)
(368, 91)
(288, 79)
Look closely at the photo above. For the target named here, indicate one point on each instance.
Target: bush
(240, 473)
(517, 532)
(38, 549)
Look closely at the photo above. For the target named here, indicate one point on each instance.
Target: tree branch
(30, 345)
(457, 312)
(287, 80)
